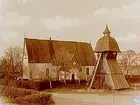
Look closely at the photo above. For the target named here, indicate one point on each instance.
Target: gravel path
(119, 98)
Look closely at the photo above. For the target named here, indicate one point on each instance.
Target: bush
(26, 96)
(39, 98)
(34, 85)
(21, 84)
(12, 92)
(57, 84)
(38, 85)
(12, 83)
(133, 79)
(4, 82)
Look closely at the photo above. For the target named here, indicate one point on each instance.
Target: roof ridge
(57, 40)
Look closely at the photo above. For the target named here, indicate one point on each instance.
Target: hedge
(38, 85)
(21, 84)
(132, 80)
(39, 98)
(13, 92)
(27, 96)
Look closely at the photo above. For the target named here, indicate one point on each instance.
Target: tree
(80, 75)
(0, 68)
(0, 65)
(128, 60)
(30, 71)
(13, 62)
(62, 59)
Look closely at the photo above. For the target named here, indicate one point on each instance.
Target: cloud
(131, 11)
(25, 1)
(9, 38)
(101, 11)
(14, 19)
(59, 22)
(1, 2)
(130, 38)
(1, 19)
(125, 12)
(3, 5)
(130, 41)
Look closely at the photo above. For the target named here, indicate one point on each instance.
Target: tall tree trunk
(58, 75)
(127, 73)
(79, 80)
(65, 77)
(50, 84)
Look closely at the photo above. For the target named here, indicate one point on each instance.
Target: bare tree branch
(128, 60)
(62, 59)
(13, 61)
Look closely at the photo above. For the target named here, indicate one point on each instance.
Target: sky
(76, 20)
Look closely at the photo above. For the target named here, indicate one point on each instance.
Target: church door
(73, 76)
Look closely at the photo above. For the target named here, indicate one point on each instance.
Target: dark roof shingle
(40, 51)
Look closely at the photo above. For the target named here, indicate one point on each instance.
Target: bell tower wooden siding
(108, 72)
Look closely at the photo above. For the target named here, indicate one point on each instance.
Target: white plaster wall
(81, 75)
(39, 70)
(69, 75)
(25, 64)
(84, 74)
(41, 66)
(91, 68)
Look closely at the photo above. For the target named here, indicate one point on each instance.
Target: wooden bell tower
(107, 73)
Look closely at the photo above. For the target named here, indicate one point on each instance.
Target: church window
(87, 71)
(47, 72)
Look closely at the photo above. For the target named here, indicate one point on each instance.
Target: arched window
(87, 71)
(47, 72)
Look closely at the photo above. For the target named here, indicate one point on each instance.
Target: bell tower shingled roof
(106, 43)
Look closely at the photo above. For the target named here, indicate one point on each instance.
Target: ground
(114, 98)
(94, 97)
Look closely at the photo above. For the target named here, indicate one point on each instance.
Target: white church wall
(84, 72)
(39, 71)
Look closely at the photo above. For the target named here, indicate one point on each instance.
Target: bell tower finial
(106, 31)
